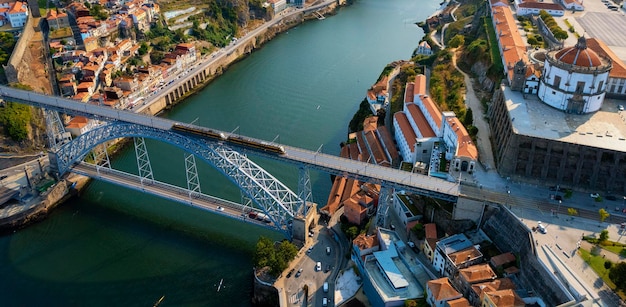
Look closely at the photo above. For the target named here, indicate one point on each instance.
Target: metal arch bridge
(280, 203)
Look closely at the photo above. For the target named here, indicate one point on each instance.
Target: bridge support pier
(143, 161)
(304, 188)
(193, 181)
(302, 224)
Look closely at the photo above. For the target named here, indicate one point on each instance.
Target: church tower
(519, 76)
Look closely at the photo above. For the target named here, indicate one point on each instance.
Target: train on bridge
(233, 139)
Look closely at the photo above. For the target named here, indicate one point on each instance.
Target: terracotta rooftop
(406, 129)
(465, 147)
(459, 302)
(494, 285)
(478, 273)
(502, 259)
(418, 117)
(442, 290)
(431, 230)
(420, 84)
(408, 92)
(505, 298)
(619, 68)
(365, 242)
(432, 109)
(464, 255)
(579, 55)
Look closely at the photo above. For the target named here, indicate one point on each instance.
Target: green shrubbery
(553, 26)
(274, 256)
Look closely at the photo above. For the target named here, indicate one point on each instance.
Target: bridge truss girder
(278, 202)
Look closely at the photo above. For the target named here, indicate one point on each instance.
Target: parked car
(558, 197)
(620, 107)
(541, 228)
(299, 273)
(610, 197)
(308, 251)
(290, 273)
(594, 195)
(318, 266)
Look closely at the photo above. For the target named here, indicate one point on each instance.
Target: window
(557, 81)
(424, 151)
(580, 86)
(600, 85)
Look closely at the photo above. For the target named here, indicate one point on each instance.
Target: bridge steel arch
(272, 196)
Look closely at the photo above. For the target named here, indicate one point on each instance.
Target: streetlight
(558, 208)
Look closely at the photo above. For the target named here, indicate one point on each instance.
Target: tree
(352, 232)
(617, 275)
(604, 235)
(456, 41)
(572, 211)
(143, 48)
(419, 231)
(468, 119)
(264, 253)
(608, 265)
(603, 215)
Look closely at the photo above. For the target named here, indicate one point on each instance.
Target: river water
(116, 247)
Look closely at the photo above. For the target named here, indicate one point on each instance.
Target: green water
(117, 247)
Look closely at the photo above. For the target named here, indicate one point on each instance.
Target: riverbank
(19, 215)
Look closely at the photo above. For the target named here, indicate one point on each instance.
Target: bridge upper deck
(389, 177)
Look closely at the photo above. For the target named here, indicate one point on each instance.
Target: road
(171, 192)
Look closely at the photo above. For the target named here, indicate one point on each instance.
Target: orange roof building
(439, 291)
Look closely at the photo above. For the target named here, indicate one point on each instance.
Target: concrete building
(574, 79)
(424, 48)
(523, 8)
(543, 145)
(277, 5)
(431, 138)
(616, 84)
(473, 275)
(475, 296)
(573, 5)
(15, 12)
(430, 241)
(502, 298)
(404, 209)
(462, 259)
(440, 291)
(388, 270)
(446, 246)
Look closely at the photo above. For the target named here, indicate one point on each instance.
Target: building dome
(579, 55)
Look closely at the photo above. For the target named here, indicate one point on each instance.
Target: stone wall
(510, 234)
(191, 84)
(50, 199)
(17, 67)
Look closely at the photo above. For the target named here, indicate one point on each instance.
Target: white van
(324, 302)
(325, 287)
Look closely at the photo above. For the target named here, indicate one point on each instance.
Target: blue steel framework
(274, 198)
(278, 202)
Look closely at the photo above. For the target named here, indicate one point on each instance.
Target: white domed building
(574, 79)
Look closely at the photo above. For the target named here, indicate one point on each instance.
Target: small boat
(220, 285)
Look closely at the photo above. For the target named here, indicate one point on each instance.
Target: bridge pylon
(143, 161)
(304, 188)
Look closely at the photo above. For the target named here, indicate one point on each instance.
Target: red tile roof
(420, 85)
(619, 68)
(442, 290)
(420, 120)
(406, 129)
(432, 109)
(465, 146)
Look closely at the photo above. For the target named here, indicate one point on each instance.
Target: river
(115, 247)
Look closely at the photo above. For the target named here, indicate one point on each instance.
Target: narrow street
(485, 153)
